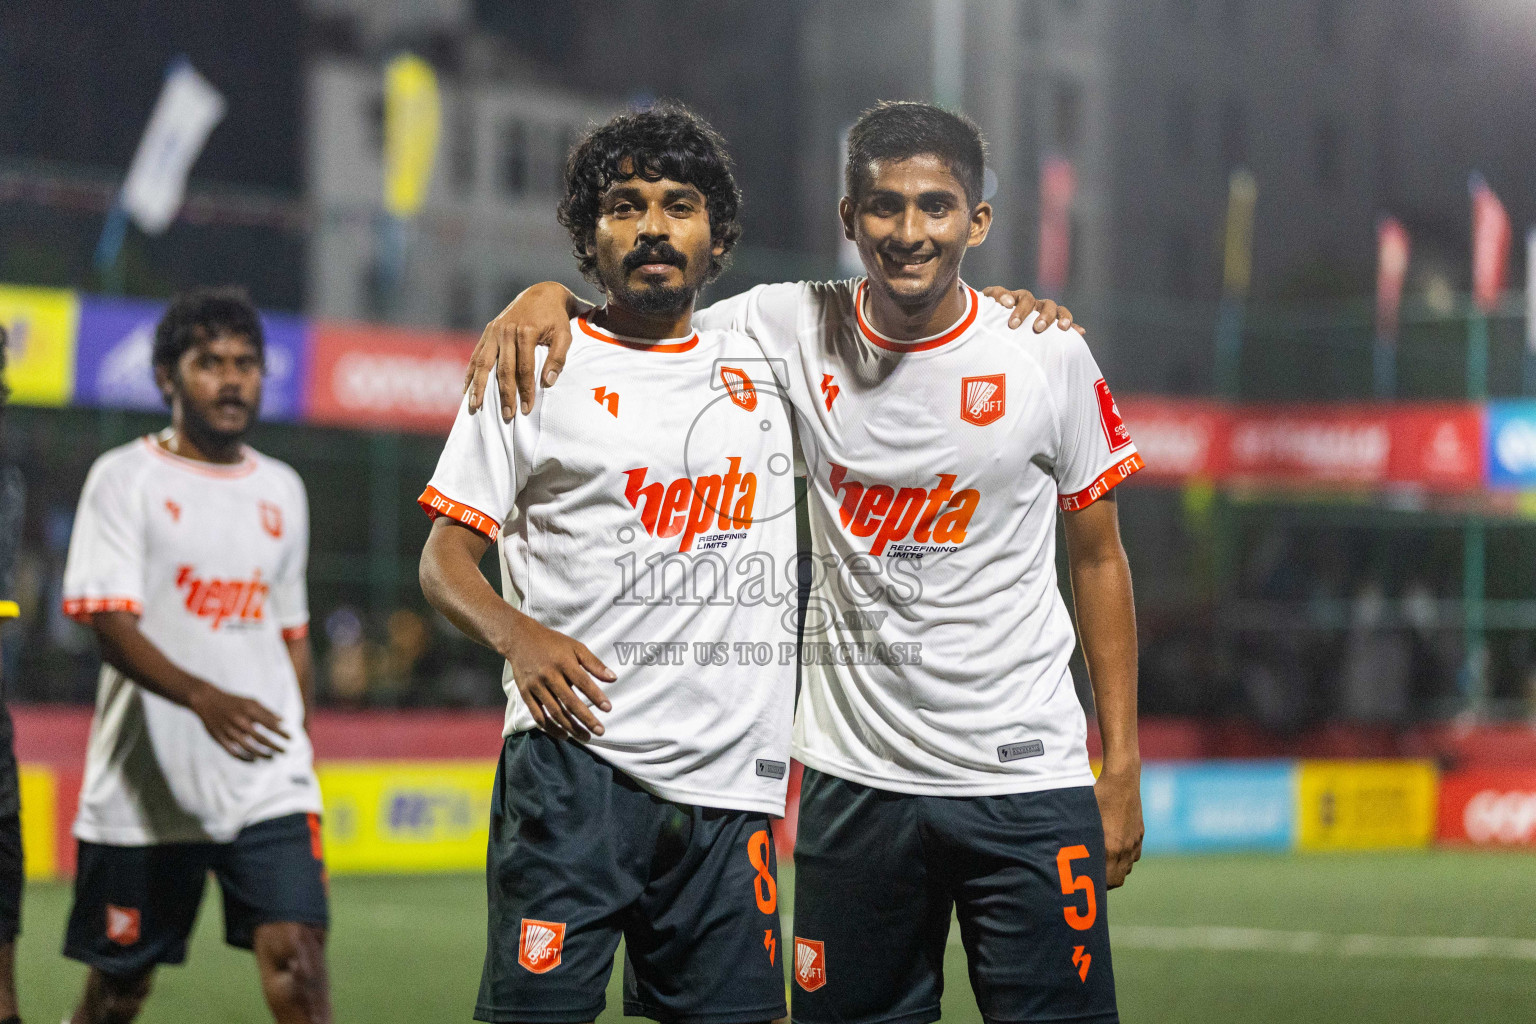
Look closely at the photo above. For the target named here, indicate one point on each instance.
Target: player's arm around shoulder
(1106, 621)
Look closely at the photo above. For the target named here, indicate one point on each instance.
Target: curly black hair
(201, 315)
(900, 130)
(665, 141)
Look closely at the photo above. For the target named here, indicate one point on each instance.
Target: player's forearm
(452, 583)
(1106, 615)
(547, 294)
(125, 647)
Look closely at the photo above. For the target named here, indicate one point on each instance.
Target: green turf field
(1356, 939)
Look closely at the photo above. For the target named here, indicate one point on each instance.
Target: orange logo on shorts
(540, 945)
(1081, 960)
(810, 963)
(122, 925)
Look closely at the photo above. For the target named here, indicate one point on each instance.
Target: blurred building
(1343, 111)
(488, 228)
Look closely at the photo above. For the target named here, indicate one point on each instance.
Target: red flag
(1391, 269)
(1491, 238)
(1058, 184)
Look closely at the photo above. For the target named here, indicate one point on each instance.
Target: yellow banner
(406, 816)
(1366, 805)
(40, 352)
(39, 822)
(411, 115)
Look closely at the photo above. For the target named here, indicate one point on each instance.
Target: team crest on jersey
(1109, 416)
(539, 947)
(271, 518)
(810, 963)
(982, 398)
(122, 925)
(740, 387)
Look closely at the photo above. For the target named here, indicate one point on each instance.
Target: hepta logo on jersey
(810, 963)
(690, 507)
(939, 514)
(222, 600)
(1109, 417)
(740, 387)
(539, 947)
(982, 399)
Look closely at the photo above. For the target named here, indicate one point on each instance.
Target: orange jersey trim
(434, 504)
(879, 340)
(82, 608)
(638, 344)
(1112, 478)
(298, 632)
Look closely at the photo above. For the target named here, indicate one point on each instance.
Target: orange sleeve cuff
(298, 632)
(434, 504)
(1112, 477)
(82, 608)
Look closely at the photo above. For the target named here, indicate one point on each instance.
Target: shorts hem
(236, 943)
(110, 965)
(1092, 1018)
(924, 1016)
(579, 1016)
(635, 1008)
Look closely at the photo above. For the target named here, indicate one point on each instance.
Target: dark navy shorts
(580, 855)
(877, 875)
(136, 905)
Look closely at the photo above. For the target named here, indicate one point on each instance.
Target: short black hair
(203, 314)
(666, 141)
(900, 130)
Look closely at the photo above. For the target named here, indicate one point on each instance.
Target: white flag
(186, 112)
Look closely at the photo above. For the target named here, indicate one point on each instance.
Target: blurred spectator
(1374, 679)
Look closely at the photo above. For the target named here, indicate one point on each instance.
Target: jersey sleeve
(478, 477)
(1094, 450)
(104, 570)
(290, 591)
(769, 313)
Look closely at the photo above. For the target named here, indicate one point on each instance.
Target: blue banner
(1235, 805)
(116, 339)
(1512, 445)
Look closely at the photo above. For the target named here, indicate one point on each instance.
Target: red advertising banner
(1488, 807)
(363, 375)
(1435, 447)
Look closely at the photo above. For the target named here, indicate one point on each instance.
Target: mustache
(661, 252)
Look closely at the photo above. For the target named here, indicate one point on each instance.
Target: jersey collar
(245, 467)
(638, 344)
(879, 340)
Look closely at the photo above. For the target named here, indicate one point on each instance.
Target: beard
(652, 299)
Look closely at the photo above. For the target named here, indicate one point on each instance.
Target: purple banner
(117, 339)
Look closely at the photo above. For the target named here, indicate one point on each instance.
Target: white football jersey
(212, 559)
(647, 505)
(936, 640)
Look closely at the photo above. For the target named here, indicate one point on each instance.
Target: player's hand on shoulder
(553, 673)
(1119, 796)
(539, 316)
(233, 723)
(1022, 301)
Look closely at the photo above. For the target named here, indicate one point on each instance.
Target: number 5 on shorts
(1071, 884)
